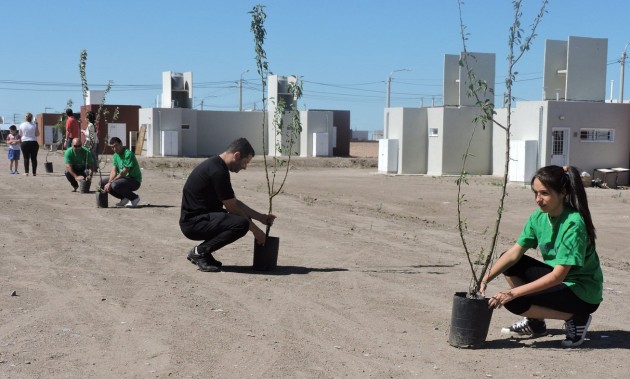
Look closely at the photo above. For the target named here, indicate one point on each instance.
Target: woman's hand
(500, 299)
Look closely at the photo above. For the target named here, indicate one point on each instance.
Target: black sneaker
(206, 263)
(576, 328)
(527, 327)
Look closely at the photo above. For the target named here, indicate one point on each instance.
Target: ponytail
(567, 179)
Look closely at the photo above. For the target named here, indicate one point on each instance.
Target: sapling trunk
(477, 89)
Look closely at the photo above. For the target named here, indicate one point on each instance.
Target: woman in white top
(91, 139)
(28, 134)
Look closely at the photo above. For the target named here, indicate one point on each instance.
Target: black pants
(79, 171)
(29, 150)
(122, 188)
(215, 229)
(559, 297)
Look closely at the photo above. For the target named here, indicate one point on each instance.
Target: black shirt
(206, 187)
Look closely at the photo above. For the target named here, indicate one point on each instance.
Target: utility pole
(623, 64)
(389, 85)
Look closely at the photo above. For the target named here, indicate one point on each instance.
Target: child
(13, 140)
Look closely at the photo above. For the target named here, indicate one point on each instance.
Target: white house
(572, 125)
(434, 140)
(175, 129)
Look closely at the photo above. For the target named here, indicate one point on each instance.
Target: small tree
(101, 112)
(518, 44)
(289, 133)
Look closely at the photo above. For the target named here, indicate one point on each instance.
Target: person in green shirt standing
(568, 285)
(78, 160)
(125, 176)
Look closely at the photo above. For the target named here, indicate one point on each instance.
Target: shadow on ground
(601, 339)
(280, 270)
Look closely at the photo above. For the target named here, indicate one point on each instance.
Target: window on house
(597, 135)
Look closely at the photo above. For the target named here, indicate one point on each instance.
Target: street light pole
(623, 64)
(240, 91)
(389, 85)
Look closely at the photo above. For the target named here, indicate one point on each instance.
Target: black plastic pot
(266, 257)
(101, 199)
(470, 320)
(48, 165)
(84, 186)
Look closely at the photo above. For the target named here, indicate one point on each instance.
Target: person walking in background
(72, 128)
(568, 284)
(78, 161)
(13, 140)
(91, 139)
(211, 212)
(30, 146)
(125, 176)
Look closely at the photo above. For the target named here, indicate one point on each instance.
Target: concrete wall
(216, 129)
(314, 122)
(205, 133)
(526, 125)
(202, 133)
(586, 69)
(454, 131)
(435, 140)
(341, 121)
(409, 127)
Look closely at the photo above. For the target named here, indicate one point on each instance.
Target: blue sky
(343, 49)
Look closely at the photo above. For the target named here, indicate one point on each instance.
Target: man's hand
(260, 236)
(268, 219)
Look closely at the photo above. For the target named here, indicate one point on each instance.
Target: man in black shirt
(210, 211)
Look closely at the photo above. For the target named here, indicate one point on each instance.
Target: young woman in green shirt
(567, 284)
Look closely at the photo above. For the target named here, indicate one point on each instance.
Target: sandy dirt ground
(367, 270)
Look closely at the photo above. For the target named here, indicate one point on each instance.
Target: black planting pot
(266, 257)
(101, 199)
(84, 186)
(470, 320)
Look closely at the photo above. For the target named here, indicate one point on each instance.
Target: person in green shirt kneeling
(125, 176)
(78, 160)
(568, 284)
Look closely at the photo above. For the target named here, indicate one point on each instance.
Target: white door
(560, 146)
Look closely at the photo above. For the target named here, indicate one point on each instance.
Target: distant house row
(571, 125)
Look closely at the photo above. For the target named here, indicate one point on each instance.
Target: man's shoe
(133, 203)
(205, 263)
(74, 189)
(122, 202)
(576, 328)
(527, 327)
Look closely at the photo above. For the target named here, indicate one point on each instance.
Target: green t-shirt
(564, 241)
(81, 158)
(127, 159)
